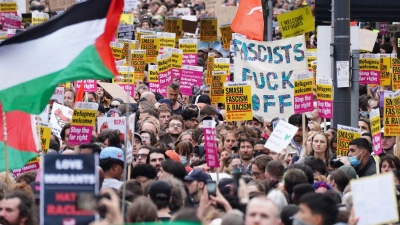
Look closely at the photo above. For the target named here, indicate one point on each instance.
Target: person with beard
(155, 158)
(296, 144)
(246, 148)
(16, 208)
(388, 143)
(190, 119)
(195, 181)
(173, 93)
(175, 127)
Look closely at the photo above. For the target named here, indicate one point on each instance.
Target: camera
(335, 163)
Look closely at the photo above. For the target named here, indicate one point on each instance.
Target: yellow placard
(140, 33)
(153, 74)
(222, 64)
(127, 45)
(126, 19)
(304, 86)
(311, 56)
(117, 50)
(188, 46)
(210, 68)
(125, 75)
(386, 74)
(167, 40)
(344, 136)
(164, 63)
(150, 43)
(226, 35)
(83, 117)
(238, 101)
(391, 113)
(173, 25)
(44, 133)
(138, 63)
(324, 92)
(8, 7)
(395, 64)
(375, 125)
(218, 78)
(208, 29)
(314, 71)
(176, 59)
(296, 22)
(36, 21)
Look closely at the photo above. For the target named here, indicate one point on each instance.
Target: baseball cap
(197, 175)
(288, 212)
(203, 99)
(113, 153)
(259, 119)
(349, 170)
(160, 190)
(173, 155)
(138, 136)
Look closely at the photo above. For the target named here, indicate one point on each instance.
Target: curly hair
(178, 194)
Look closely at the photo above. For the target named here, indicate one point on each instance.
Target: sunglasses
(113, 106)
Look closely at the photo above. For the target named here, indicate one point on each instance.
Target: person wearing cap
(257, 122)
(359, 157)
(195, 182)
(202, 100)
(388, 142)
(112, 162)
(101, 111)
(160, 193)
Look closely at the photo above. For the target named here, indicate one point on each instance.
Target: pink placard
(210, 145)
(130, 88)
(303, 103)
(26, 168)
(377, 143)
(3, 15)
(90, 85)
(155, 87)
(80, 135)
(383, 28)
(369, 77)
(191, 77)
(189, 59)
(12, 22)
(164, 79)
(325, 108)
(176, 73)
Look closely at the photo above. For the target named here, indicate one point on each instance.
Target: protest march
(208, 112)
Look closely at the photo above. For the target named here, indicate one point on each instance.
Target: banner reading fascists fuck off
(269, 67)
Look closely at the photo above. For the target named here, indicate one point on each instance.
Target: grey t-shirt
(112, 183)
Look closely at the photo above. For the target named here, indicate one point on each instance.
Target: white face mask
(183, 159)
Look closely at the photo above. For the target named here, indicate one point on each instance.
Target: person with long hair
(307, 148)
(389, 163)
(148, 137)
(184, 150)
(320, 147)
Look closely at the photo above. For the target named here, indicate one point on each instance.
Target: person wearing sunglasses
(115, 103)
(143, 153)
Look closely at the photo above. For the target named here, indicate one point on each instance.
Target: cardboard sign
(238, 101)
(60, 115)
(138, 63)
(89, 85)
(129, 88)
(297, 22)
(325, 98)
(367, 40)
(189, 48)
(44, 133)
(150, 43)
(152, 75)
(208, 29)
(217, 87)
(63, 178)
(391, 116)
(115, 91)
(303, 93)
(345, 135)
(370, 70)
(115, 123)
(225, 15)
(281, 136)
(271, 78)
(372, 191)
(174, 25)
(395, 64)
(210, 143)
(375, 121)
(191, 79)
(386, 74)
(83, 120)
(226, 35)
(56, 5)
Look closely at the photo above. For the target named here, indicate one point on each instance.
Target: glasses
(206, 92)
(175, 125)
(113, 106)
(256, 174)
(146, 138)
(143, 156)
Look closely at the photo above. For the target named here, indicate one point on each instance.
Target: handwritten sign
(83, 120)
(303, 93)
(269, 69)
(391, 107)
(210, 143)
(325, 98)
(367, 40)
(296, 22)
(375, 121)
(281, 136)
(189, 48)
(370, 69)
(345, 135)
(208, 29)
(386, 74)
(238, 101)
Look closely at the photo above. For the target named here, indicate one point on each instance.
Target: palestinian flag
(72, 46)
(22, 139)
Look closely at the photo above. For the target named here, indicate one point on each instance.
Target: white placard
(343, 74)
(367, 40)
(60, 115)
(374, 199)
(281, 136)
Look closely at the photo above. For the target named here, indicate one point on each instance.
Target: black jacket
(368, 169)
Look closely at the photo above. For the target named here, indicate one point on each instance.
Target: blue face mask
(364, 114)
(183, 159)
(354, 162)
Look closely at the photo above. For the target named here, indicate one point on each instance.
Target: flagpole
(5, 143)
